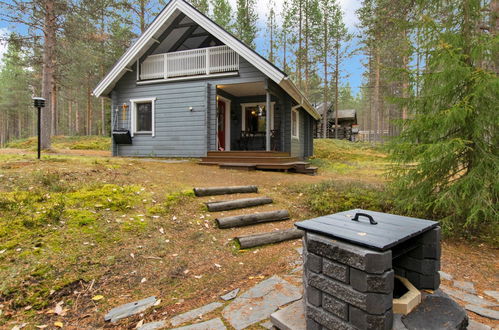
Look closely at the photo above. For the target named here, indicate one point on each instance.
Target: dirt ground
(179, 255)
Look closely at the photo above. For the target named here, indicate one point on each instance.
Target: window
(254, 117)
(295, 120)
(143, 116)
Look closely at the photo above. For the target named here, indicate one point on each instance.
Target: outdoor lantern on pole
(39, 103)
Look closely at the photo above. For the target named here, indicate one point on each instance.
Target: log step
(212, 191)
(237, 204)
(251, 219)
(250, 241)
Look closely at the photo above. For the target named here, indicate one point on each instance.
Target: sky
(352, 68)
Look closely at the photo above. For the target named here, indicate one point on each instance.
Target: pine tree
(245, 26)
(271, 32)
(201, 5)
(447, 156)
(222, 13)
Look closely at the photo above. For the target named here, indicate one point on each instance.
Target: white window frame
(133, 104)
(297, 136)
(255, 104)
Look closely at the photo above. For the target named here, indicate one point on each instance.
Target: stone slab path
(214, 324)
(291, 317)
(194, 314)
(260, 301)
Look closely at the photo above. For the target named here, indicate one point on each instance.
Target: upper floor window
(143, 116)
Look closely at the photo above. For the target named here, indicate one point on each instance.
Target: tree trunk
(326, 84)
(89, 109)
(237, 204)
(251, 219)
(53, 106)
(250, 241)
(142, 16)
(336, 87)
(49, 32)
(376, 93)
(77, 118)
(212, 191)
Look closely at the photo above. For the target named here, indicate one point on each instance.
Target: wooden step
(248, 160)
(312, 170)
(238, 166)
(250, 241)
(237, 204)
(249, 153)
(251, 219)
(212, 191)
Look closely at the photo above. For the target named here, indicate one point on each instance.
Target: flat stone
(129, 309)
(260, 301)
(488, 313)
(473, 325)
(446, 276)
(291, 317)
(231, 295)
(267, 325)
(493, 294)
(299, 250)
(469, 298)
(214, 324)
(153, 325)
(397, 322)
(466, 286)
(436, 313)
(195, 313)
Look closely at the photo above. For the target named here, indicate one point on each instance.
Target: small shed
(347, 122)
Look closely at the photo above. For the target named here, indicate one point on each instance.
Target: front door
(221, 118)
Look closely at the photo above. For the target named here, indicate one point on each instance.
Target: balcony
(195, 62)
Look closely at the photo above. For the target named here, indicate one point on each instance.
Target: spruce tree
(447, 156)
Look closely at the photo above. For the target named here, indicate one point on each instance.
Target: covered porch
(249, 118)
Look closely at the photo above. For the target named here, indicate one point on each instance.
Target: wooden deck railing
(195, 62)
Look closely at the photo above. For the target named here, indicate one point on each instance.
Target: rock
(466, 286)
(129, 309)
(267, 325)
(488, 313)
(473, 325)
(291, 317)
(299, 250)
(493, 294)
(436, 313)
(231, 295)
(445, 276)
(214, 324)
(260, 301)
(153, 325)
(195, 313)
(469, 298)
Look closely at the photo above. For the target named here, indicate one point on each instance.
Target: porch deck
(257, 160)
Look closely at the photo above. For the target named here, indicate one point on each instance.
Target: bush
(332, 197)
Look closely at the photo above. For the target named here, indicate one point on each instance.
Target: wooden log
(211, 191)
(237, 204)
(246, 242)
(250, 219)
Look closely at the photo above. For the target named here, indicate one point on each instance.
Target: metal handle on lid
(371, 219)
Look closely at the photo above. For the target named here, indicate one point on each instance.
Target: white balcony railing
(195, 62)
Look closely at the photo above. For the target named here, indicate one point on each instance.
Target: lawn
(94, 231)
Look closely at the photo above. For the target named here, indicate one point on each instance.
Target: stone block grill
(350, 261)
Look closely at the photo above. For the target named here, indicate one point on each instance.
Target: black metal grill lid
(376, 230)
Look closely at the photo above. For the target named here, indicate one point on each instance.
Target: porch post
(267, 121)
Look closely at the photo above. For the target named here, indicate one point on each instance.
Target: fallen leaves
(58, 324)
(97, 297)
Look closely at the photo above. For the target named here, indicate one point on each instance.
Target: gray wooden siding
(179, 132)
(304, 146)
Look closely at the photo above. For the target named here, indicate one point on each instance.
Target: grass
(66, 142)
(74, 227)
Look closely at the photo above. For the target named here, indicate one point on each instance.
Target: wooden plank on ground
(251, 219)
(237, 204)
(250, 241)
(211, 191)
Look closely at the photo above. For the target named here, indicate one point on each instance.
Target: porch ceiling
(246, 89)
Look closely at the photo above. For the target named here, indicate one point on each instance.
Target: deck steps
(257, 160)
(253, 240)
